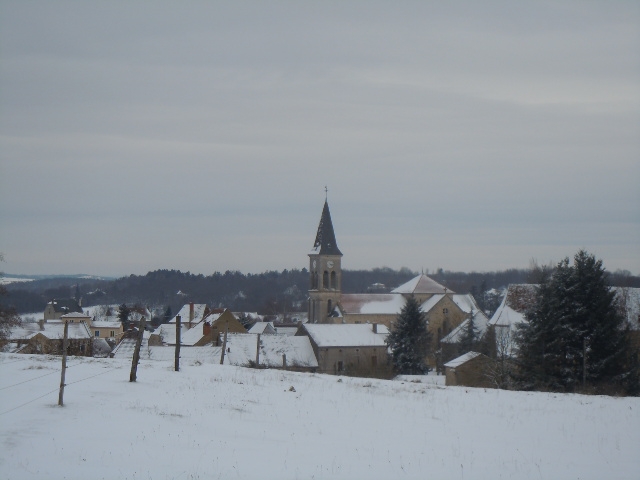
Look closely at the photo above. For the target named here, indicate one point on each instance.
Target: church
(444, 309)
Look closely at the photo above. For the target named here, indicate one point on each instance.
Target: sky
(200, 136)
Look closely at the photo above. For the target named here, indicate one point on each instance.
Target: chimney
(206, 329)
(41, 323)
(375, 328)
(191, 313)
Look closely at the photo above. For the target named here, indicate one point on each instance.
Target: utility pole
(258, 352)
(65, 343)
(136, 352)
(224, 344)
(178, 340)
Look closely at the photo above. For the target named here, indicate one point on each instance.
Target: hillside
(210, 422)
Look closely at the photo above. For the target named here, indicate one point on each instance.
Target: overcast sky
(200, 136)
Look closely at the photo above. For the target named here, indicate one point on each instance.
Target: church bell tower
(325, 272)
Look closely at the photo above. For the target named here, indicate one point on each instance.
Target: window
(445, 310)
(340, 366)
(112, 333)
(97, 333)
(333, 280)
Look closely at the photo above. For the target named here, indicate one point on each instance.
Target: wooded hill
(267, 293)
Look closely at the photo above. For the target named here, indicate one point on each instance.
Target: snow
(462, 359)
(391, 306)
(349, 335)
(8, 280)
(220, 422)
(421, 284)
(52, 329)
(241, 349)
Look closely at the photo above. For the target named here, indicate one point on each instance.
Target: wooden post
(224, 343)
(178, 340)
(258, 352)
(284, 361)
(584, 363)
(136, 353)
(65, 344)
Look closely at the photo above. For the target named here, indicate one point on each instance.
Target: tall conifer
(409, 340)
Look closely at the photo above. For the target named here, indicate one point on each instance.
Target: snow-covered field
(211, 421)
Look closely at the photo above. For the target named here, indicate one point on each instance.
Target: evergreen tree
(168, 314)
(409, 340)
(123, 316)
(469, 336)
(575, 332)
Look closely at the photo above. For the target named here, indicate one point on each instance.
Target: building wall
(443, 318)
(469, 374)
(108, 332)
(39, 344)
(216, 331)
(355, 361)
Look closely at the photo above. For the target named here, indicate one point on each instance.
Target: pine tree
(123, 316)
(469, 336)
(574, 324)
(409, 340)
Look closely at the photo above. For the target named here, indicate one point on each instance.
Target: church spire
(325, 243)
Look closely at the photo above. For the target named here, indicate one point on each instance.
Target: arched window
(325, 279)
(333, 280)
(328, 308)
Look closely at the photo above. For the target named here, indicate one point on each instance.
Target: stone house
(48, 337)
(198, 331)
(350, 349)
(468, 370)
(56, 308)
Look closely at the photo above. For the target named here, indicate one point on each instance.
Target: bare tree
(500, 369)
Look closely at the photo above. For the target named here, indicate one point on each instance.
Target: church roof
(325, 243)
(421, 284)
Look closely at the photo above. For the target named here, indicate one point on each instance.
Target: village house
(350, 349)
(468, 370)
(201, 327)
(48, 337)
(58, 307)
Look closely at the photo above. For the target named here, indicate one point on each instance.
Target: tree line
(269, 293)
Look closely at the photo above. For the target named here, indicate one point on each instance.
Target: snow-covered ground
(211, 421)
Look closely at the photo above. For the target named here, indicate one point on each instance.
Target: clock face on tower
(330, 264)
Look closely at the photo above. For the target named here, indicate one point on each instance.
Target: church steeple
(325, 243)
(325, 272)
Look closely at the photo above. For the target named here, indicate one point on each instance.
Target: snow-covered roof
(126, 347)
(199, 310)
(72, 315)
(263, 328)
(206, 354)
(367, 303)
(106, 324)
(421, 285)
(188, 336)
(350, 335)
(52, 330)
(480, 321)
(241, 349)
(456, 362)
(290, 331)
(514, 304)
